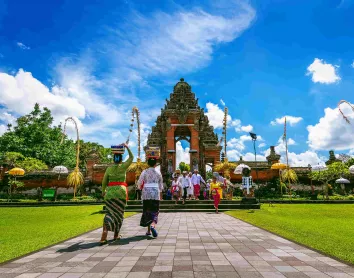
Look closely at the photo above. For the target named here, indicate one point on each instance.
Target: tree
(34, 136)
(350, 162)
(334, 171)
(13, 158)
(184, 167)
(30, 164)
(209, 175)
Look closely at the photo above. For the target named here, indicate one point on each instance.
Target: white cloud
(216, 116)
(239, 143)
(22, 46)
(261, 145)
(182, 41)
(289, 120)
(182, 155)
(3, 129)
(222, 102)
(7, 118)
(247, 128)
(295, 160)
(20, 92)
(322, 72)
(352, 65)
(332, 131)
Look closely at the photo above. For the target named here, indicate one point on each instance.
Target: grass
(327, 228)
(24, 230)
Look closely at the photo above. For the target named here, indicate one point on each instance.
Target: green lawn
(327, 228)
(23, 230)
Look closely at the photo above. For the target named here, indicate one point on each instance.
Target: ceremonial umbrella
(16, 172)
(279, 166)
(240, 167)
(342, 181)
(351, 169)
(60, 169)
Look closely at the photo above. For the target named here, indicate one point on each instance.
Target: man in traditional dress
(196, 182)
(186, 184)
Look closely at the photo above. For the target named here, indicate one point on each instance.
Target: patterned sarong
(115, 214)
(151, 209)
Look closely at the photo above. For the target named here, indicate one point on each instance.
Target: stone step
(210, 209)
(190, 206)
(210, 202)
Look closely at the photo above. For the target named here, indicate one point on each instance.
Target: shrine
(183, 119)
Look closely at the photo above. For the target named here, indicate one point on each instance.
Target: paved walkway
(199, 245)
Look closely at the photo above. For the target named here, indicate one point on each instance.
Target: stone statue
(247, 184)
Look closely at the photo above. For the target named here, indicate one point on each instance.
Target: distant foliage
(30, 164)
(35, 137)
(334, 171)
(184, 167)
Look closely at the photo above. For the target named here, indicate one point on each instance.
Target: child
(176, 189)
(216, 197)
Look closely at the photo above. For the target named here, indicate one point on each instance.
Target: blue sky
(264, 60)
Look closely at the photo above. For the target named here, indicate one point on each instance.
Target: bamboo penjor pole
(75, 178)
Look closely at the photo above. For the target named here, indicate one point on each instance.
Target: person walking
(197, 180)
(115, 193)
(176, 189)
(150, 182)
(216, 192)
(190, 189)
(186, 184)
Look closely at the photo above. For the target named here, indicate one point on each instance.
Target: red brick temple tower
(183, 119)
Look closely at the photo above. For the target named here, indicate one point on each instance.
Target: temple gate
(183, 119)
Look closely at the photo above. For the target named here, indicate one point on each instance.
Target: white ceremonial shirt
(196, 179)
(185, 181)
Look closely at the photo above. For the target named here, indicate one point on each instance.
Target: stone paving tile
(190, 245)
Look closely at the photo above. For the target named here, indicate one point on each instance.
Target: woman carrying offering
(150, 182)
(115, 192)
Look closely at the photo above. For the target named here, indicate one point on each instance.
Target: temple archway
(183, 119)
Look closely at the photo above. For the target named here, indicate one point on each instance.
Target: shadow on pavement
(82, 246)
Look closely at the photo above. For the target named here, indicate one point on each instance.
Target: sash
(151, 185)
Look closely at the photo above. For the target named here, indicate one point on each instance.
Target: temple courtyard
(189, 245)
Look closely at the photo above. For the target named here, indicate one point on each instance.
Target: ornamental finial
(182, 79)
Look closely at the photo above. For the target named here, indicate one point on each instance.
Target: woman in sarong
(216, 192)
(176, 188)
(216, 197)
(115, 192)
(150, 182)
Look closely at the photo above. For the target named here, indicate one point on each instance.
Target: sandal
(117, 238)
(153, 231)
(148, 234)
(103, 242)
